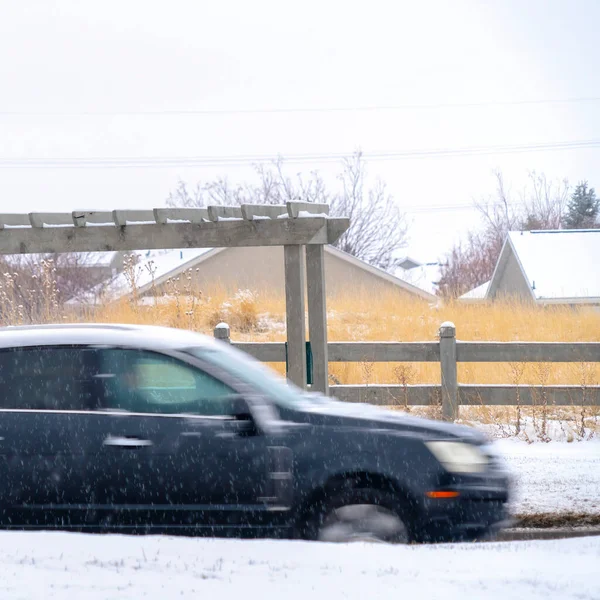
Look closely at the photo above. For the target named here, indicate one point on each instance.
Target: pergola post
(317, 316)
(295, 319)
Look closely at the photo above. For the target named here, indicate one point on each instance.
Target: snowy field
(554, 477)
(77, 566)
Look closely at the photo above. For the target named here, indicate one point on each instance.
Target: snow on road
(101, 567)
(553, 477)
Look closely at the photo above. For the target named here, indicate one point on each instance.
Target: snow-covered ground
(553, 477)
(63, 565)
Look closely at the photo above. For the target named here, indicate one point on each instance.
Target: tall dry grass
(359, 316)
(362, 315)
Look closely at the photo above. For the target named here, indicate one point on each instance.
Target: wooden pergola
(297, 226)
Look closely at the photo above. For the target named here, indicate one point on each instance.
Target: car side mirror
(238, 408)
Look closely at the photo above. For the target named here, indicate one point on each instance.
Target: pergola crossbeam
(229, 233)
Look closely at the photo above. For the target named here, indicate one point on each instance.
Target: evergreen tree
(583, 208)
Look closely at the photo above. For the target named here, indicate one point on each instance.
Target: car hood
(327, 412)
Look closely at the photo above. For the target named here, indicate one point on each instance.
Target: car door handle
(126, 442)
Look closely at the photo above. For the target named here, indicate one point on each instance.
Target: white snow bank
(554, 477)
(63, 565)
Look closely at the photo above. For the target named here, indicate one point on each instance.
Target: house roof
(476, 294)
(391, 278)
(152, 268)
(558, 265)
(425, 276)
(84, 259)
(169, 264)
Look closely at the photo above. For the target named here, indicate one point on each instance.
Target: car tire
(360, 515)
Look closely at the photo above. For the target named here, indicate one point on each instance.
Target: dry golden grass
(360, 315)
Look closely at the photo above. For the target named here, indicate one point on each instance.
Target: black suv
(149, 429)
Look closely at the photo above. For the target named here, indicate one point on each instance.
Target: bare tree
(471, 262)
(377, 226)
(544, 203)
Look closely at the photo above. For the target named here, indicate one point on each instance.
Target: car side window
(46, 378)
(148, 382)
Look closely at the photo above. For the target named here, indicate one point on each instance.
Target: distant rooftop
(560, 264)
(478, 293)
(152, 266)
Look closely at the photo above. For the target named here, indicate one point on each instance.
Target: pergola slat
(50, 219)
(14, 220)
(295, 208)
(215, 213)
(192, 215)
(262, 211)
(124, 217)
(81, 218)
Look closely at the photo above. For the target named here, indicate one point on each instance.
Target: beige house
(546, 267)
(259, 269)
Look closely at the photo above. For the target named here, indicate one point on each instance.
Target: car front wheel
(362, 515)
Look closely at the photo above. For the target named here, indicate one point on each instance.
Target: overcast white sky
(75, 76)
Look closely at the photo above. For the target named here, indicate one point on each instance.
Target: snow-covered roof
(84, 259)
(476, 294)
(170, 263)
(425, 276)
(151, 268)
(560, 265)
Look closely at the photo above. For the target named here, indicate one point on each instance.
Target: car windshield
(248, 369)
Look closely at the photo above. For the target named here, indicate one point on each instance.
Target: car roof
(112, 334)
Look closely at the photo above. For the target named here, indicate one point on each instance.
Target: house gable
(509, 279)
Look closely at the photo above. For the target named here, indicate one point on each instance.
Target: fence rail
(448, 352)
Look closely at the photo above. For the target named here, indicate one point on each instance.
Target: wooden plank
(353, 351)
(506, 395)
(336, 227)
(192, 215)
(276, 232)
(528, 352)
(295, 208)
(81, 218)
(271, 352)
(124, 217)
(317, 316)
(261, 211)
(294, 303)
(388, 395)
(224, 212)
(449, 371)
(14, 220)
(45, 219)
(384, 352)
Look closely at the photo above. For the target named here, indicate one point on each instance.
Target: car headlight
(458, 457)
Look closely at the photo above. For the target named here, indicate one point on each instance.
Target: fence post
(222, 333)
(449, 371)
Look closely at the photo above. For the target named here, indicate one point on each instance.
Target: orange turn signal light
(439, 494)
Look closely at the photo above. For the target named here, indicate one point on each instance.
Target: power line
(299, 109)
(139, 162)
